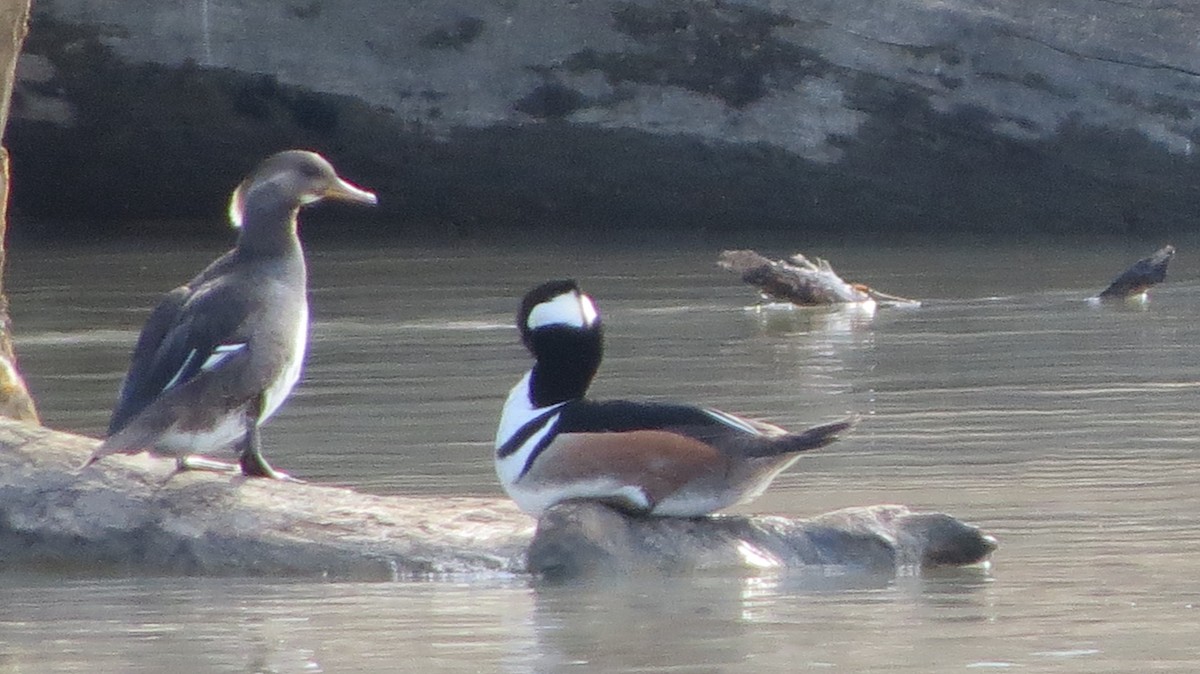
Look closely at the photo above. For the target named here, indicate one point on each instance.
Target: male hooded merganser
(644, 457)
(219, 355)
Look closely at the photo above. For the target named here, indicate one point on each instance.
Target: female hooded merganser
(219, 355)
(645, 457)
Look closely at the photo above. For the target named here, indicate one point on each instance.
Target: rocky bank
(814, 116)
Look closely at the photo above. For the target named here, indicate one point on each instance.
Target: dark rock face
(966, 115)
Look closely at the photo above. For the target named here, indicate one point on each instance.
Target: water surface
(1065, 429)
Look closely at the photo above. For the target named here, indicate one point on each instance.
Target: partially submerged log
(582, 539)
(799, 280)
(1142, 274)
(124, 515)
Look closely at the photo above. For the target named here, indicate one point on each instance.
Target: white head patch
(237, 207)
(572, 309)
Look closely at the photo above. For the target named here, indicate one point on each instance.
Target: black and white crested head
(556, 305)
(283, 183)
(561, 327)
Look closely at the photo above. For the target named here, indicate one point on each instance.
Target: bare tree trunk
(15, 401)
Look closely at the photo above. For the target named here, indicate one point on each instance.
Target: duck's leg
(188, 462)
(251, 459)
(193, 462)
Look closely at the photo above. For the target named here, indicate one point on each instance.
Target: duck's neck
(564, 370)
(560, 375)
(269, 226)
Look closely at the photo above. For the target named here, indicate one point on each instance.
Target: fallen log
(583, 539)
(800, 281)
(123, 515)
(1137, 279)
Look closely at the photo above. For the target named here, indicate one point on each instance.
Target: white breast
(534, 499)
(278, 391)
(518, 411)
(176, 442)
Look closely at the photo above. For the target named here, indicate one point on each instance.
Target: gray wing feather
(180, 335)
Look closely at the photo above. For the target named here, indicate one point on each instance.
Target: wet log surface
(588, 539)
(123, 515)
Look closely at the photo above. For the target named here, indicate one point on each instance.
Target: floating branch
(800, 281)
(1138, 278)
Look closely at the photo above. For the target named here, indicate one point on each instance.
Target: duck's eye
(310, 171)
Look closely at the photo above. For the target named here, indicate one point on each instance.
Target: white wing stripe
(732, 421)
(181, 370)
(219, 354)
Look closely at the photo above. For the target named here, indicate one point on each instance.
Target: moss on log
(123, 515)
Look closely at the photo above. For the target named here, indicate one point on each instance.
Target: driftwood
(799, 280)
(1142, 274)
(124, 515)
(586, 539)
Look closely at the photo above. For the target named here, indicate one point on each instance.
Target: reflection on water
(1066, 429)
(788, 319)
(708, 623)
